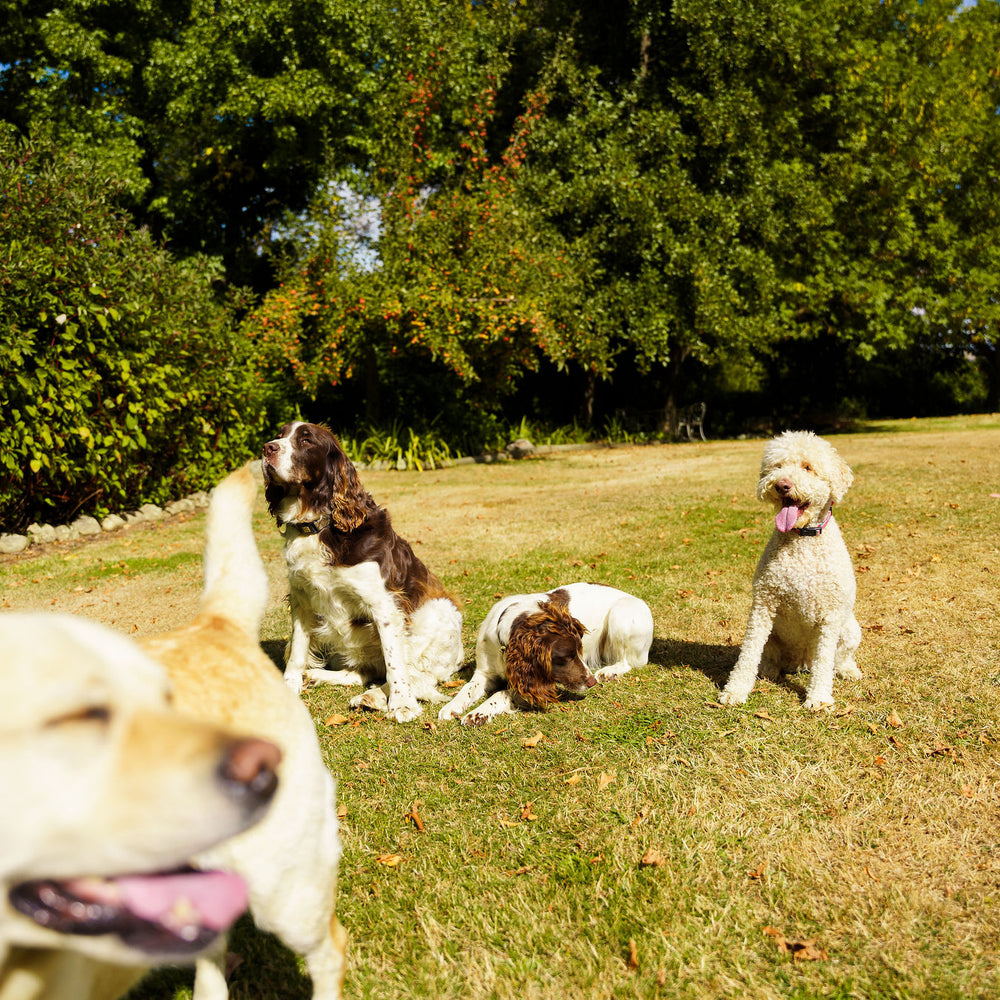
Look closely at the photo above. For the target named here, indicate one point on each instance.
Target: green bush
(121, 378)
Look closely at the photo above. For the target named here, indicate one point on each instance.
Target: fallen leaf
(431, 727)
(335, 720)
(389, 860)
(799, 950)
(894, 720)
(453, 684)
(520, 871)
(872, 728)
(633, 954)
(758, 873)
(414, 817)
(640, 816)
(532, 741)
(652, 858)
(527, 812)
(341, 811)
(604, 781)
(573, 779)
(763, 714)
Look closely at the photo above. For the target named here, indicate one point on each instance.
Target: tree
(216, 116)
(121, 380)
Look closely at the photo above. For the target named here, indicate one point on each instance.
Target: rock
(520, 448)
(112, 523)
(9, 544)
(86, 525)
(63, 534)
(41, 534)
(151, 512)
(200, 499)
(179, 507)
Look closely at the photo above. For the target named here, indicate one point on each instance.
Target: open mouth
(173, 913)
(788, 516)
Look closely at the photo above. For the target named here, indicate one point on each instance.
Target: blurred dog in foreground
(220, 676)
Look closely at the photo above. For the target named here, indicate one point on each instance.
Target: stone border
(85, 526)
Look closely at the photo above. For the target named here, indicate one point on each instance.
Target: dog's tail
(235, 580)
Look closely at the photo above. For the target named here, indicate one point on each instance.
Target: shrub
(121, 378)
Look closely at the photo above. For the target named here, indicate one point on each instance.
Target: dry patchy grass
(870, 831)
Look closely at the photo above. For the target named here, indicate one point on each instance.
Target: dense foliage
(450, 213)
(121, 377)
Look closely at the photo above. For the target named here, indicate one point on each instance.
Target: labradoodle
(802, 616)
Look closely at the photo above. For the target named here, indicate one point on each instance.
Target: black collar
(811, 531)
(311, 527)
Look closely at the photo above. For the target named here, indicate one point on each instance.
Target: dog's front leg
(499, 703)
(403, 704)
(744, 674)
(297, 649)
(819, 694)
(474, 690)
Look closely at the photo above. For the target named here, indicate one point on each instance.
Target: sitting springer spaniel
(532, 645)
(363, 605)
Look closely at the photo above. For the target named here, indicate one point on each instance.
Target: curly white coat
(802, 615)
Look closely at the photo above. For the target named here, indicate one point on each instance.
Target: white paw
(373, 699)
(475, 719)
(818, 703)
(446, 713)
(611, 673)
(405, 713)
(727, 697)
(850, 671)
(294, 680)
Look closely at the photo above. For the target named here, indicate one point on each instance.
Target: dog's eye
(92, 713)
(807, 467)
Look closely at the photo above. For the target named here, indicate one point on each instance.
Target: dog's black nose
(271, 449)
(249, 771)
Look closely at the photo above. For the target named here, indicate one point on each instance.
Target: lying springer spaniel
(363, 605)
(531, 646)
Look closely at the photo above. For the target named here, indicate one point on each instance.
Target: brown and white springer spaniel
(365, 609)
(531, 646)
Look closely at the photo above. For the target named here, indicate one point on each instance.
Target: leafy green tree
(121, 378)
(217, 117)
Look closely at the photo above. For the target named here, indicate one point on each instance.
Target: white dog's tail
(235, 581)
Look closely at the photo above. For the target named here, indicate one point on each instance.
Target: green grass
(877, 842)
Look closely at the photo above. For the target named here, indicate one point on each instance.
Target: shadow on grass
(713, 660)
(264, 967)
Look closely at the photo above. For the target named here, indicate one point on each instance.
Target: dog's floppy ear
(340, 491)
(841, 481)
(557, 606)
(528, 661)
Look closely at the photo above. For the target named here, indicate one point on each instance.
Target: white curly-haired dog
(802, 616)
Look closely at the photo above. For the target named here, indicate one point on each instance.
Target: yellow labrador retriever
(221, 677)
(107, 793)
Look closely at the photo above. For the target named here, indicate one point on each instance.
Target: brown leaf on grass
(640, 816)
(872, 728)
(764, 714)
(527, 812)
(633, 954)
(532, 741)
(389, 860)
(431, 727)
(452, 684)
(335, 720)
(341, 811)
(801, 951)
(414, 817)
(758, 873)
(573, 779)
(604, 781)
(652, 858)
(894, 720)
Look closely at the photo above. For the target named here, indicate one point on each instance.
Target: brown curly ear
(528, 661)
(557, 607)
(341, 494)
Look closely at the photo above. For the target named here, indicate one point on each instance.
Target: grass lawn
(651, 843)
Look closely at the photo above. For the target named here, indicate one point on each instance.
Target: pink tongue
(218, 897)
(787, 517)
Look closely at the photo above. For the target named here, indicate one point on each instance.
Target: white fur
(619, 634)
(412, 656)
(802, 616)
